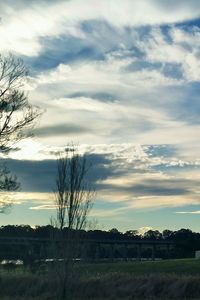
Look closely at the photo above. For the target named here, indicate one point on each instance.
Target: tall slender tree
(73, 196)
(73, 200)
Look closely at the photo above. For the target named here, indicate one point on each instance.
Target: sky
(121, 79)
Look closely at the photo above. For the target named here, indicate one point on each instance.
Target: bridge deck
(27, 240)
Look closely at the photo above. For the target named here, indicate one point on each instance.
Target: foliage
(8, 185)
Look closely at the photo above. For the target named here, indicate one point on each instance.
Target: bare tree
(17, 115)
(73, 199)
(73, 194)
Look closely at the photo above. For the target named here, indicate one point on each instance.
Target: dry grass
(127, 287)
(103, 287)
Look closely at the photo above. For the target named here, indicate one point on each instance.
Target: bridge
(39, 245)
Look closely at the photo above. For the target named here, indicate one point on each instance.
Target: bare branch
(17, 115)
(17, 118)
(73, 196)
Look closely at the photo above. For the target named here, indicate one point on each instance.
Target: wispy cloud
(196, 212)
(43, 207)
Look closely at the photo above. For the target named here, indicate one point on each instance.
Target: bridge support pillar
(125, 252)
(112, 248)
(97, 251)
(153, 252)
(139, 252)
(168, 251)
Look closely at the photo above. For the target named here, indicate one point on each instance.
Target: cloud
(197, 212)
(62, 129)
(23, 32)
(111, 93)
(131, 118)
(43, 207)
(36, 197)
(71, 90)
(108, 72)
(38, 176)
(34, 176)
(126, 178)
(148, 203)
(150, 190)
(106, 119)
(107, 213)
(144, 229)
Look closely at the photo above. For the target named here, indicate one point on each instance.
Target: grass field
(176, 266)
(163, 280)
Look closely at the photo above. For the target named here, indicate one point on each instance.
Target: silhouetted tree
(8, 185)
(167, 234)
(132, 234)
(17, 116)
(73, 199)
(153, 235)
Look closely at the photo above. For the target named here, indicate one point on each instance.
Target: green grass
(176, 266)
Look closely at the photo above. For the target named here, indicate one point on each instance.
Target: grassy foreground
(176, 266)
(174, 279)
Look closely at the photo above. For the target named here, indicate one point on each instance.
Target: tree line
(186, 242)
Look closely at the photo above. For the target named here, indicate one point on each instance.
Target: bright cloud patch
(197, 212)
(24, 34)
